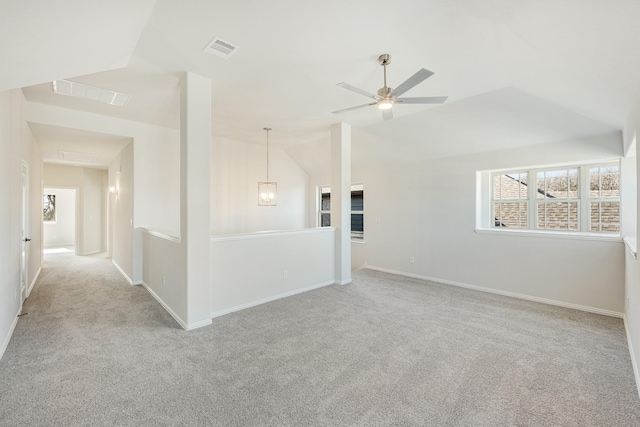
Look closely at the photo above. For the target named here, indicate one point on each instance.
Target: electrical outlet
(627, 303)
(285, 274)
(411, 260)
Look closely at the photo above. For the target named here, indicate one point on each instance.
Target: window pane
(609, 183)
(325, 220)
(541, 188)
(605, 216)
(556, 183)
(357, 226)
(326, 202)
(594, 182)
(574, 179)
(511, 215)
(604, 182)
(497, 194)
(524, 186)
(595, 216)
(357, 201)
(497, 216)
(510, 186)
(573, 215)
(557, 216)
(540, 219)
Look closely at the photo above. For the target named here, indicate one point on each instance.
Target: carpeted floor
(385, 350)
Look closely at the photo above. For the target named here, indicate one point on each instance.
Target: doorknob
(27, 240)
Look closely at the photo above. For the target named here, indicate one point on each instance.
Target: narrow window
(357, 209)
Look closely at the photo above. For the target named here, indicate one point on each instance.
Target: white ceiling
(578, 57)
(95, 150)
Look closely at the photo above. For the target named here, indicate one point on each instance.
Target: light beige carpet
(384, 350)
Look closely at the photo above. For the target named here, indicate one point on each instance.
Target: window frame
(486, 221)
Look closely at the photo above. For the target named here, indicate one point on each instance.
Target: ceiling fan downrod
(385, 92)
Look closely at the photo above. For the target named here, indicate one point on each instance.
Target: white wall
(426, 209)
(17, 145)
(237, 167)
(121, 213)
(62, 232)
(94, 191)
(164, 273)
(632, 266)
(256, 268)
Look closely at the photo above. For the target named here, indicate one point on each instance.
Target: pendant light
(267, 191)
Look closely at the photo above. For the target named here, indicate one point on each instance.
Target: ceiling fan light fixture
(385, 104)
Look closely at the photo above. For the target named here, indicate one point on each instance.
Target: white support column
(195, 194)
(341, 199)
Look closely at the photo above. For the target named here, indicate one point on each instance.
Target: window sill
(552, 234)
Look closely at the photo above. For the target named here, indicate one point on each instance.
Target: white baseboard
(504, 293)
(343, 282)
(124, 274)
(173, 314)
(633, 355)
(269, 299)
(5, 342)
(34, 281)
(91, 253)
(200, 324)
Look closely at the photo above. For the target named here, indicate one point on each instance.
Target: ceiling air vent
(76, 157)
(220, 48)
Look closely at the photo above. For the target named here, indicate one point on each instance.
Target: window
(49, 205)
(584, 198)
(510, 199)
(604, 198)
(357, 210)
(557, 199)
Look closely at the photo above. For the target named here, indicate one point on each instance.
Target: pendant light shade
(267, 190)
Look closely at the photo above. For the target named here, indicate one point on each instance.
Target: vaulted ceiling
(570, 66)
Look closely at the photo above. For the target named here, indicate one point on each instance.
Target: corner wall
(16, 146)
(632, 266)
(121, 212)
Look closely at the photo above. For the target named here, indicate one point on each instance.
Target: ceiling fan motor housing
(385, 92)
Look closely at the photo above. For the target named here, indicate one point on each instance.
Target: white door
(24, 286)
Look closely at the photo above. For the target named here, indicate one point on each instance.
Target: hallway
(79, 343)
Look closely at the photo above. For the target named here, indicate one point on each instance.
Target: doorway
(59, 218)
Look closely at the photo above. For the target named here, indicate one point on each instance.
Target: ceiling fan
(387, 96)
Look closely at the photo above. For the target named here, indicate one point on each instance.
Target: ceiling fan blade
(353, 108)
(387, 114)
(418, 77)
(425, 100)
(347, 86)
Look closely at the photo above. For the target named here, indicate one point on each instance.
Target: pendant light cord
(267, 130)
